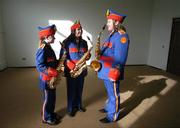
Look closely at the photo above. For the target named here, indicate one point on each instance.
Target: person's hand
(62, 69)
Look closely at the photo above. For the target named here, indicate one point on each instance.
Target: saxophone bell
(95, 64)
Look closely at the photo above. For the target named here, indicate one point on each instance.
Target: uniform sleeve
(40, 61)
(121, 51)
(120, 57)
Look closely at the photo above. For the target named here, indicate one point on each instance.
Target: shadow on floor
(62, 112)
(141, 92)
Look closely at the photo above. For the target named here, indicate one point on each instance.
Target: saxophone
(81, 64)
(55, 80)
(95, 64)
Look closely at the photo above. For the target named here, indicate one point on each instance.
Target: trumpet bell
(96, 65)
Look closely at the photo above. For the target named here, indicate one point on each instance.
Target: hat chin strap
(47, 41)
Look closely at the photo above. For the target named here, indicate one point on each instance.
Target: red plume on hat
(47, 31)
(110, 14)
(77, 24)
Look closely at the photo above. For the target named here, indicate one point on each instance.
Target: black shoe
(56, 116)
(50, 122)
(73, 113)
(81, 109)
(104, 120)
(102, 110)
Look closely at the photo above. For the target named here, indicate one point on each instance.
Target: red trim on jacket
(106, 58)
(107, 61)
(107, 44)
(73, 50)
(107, 64)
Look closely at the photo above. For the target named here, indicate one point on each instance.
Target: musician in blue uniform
(46, 64)
(75, 47)
(113, 56)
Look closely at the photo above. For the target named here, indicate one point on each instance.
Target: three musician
(109, 64)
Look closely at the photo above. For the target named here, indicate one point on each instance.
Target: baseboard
(136, 65)
(24, 67)
(3, 65)
(145, 65)
(157, 68)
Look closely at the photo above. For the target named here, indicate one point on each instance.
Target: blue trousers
(112, 105)
(49, 100)
(74, 92)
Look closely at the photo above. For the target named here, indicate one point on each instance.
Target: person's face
(110, 25)
(78, 32)
(50, 39)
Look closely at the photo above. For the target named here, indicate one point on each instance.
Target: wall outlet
(24, 58)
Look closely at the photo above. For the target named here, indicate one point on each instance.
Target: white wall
(163, 12)
(21, 19)
(2, 48)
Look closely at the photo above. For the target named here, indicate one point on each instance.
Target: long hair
(72, 37)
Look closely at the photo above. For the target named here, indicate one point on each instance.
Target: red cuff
(52, 72)
(45, 77)
(70, 65)
(114, 74)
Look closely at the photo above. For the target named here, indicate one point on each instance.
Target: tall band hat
(77, 24)
(110, 14)
(47, 31)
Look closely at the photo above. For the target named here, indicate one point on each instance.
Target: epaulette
(42, 45)
(121, 31)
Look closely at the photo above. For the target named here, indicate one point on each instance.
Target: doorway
(173, 65)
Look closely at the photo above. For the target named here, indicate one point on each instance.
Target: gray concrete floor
(149, 99)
